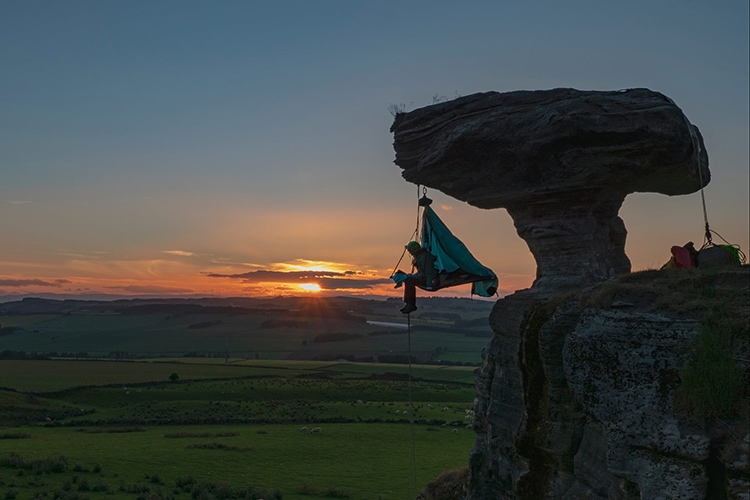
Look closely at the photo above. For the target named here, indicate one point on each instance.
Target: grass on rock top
(713, 386)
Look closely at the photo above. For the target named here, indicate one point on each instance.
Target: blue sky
(149, 143)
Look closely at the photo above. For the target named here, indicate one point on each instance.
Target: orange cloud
(312, 265)
(179, 252)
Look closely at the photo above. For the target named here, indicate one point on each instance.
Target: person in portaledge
(426, 275)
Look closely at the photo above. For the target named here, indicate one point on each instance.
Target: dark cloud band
(282, 276)
(31, 282)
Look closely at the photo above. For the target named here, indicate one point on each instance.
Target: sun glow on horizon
(310, 287)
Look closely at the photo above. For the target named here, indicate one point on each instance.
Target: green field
(366, 461)
(125, 430)
(54, 375)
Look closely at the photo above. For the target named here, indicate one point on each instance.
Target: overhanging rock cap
(496, 150)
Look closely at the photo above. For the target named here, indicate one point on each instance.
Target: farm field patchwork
(128, 437)
(54, 375)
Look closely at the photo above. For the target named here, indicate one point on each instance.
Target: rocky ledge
(628, 389)
(593, 394)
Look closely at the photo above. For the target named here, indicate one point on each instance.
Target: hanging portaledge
(455, 264)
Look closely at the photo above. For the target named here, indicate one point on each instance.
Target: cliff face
(629, 389)
(582, 396)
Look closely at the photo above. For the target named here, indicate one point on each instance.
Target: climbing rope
(708, 238)
(413, 236)
(413, 475)
(740, 254)
(697, 149)
(413, 483)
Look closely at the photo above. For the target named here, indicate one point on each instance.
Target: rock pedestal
(570, 402)
(584, 243)
(561, 162)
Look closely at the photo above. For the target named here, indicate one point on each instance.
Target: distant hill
(33, 305)
(445, 330)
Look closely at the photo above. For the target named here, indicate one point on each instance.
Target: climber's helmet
(413, 247)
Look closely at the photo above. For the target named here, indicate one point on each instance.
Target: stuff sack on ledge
(711, 255)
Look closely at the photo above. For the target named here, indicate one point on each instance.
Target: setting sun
(310, 287)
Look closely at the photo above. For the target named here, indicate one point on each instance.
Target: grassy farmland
(443, 330)
(219, 431)
(54, 375)
(359, 461)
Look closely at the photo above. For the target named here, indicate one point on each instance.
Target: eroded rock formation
(560, 161)
(574, 401)
(578, 398)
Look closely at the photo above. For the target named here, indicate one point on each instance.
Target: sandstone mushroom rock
(561, 162)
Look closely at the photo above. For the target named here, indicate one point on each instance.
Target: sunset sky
(243, 147)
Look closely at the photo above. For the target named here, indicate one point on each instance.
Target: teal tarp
(452, 255)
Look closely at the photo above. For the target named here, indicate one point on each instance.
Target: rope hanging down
(413, 472)
(697, 149)
(414, 234)
(708, 239)
(413, 484)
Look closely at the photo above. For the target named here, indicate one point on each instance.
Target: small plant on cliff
(450, 484)
(396, 109)
(712, 384)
